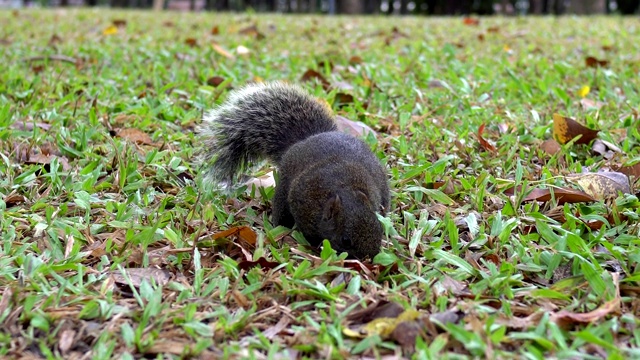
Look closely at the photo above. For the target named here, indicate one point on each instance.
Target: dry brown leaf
(264, 264)
(215, 30)
(119, 23)
(42, 159)
(566, 318)
(566, 129)
(562, 195)
(135, 135)
(252, 31)
(243, 232)
(591, 61)
(484, 143)
(602, 185)
(215, 81)
(192, 42)
(550, 147)
(354, 60)
(312, 74)
(13, 199)
(630, 170)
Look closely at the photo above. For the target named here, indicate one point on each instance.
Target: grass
(113, 248)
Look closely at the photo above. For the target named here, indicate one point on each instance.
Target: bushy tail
(259, 121)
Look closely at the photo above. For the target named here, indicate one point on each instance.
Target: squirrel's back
(260, 120)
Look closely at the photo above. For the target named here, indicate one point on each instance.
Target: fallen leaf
(630, 170)
(484, 143)
(215, 30)
(264, 263)
(550, 147)
(135, 135)
(342, 99)
(252, 31)
(274, 330)
(602, 185)
(215, 81)
(471, 21)
(354, 60)
(566, 129)
(138, 275)
(66, 340)
(119, 23)
(14, 199)
(591, 61)
(243, 232)
(355, 128)
(312, 74)
(192, 42)
(562, 195)
(220, 50)
(566, 318)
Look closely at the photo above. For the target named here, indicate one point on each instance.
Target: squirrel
(330, 184)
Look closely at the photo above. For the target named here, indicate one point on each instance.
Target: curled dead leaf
(312, 74)
(484, 143)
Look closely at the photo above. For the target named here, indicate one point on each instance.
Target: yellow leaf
(584, 91)
(506, 48)
(110, 30)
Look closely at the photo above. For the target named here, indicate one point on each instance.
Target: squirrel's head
(350, 223)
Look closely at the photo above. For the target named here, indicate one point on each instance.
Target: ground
(504, 239)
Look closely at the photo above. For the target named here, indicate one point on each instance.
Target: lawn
(500, 242)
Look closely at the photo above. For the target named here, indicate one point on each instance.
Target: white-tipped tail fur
(257, 121)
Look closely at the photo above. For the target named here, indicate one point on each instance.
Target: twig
(52, 57)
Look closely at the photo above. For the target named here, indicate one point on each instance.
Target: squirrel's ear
(362, 196)
(332, 208)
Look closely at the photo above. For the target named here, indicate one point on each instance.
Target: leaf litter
(126, 245)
